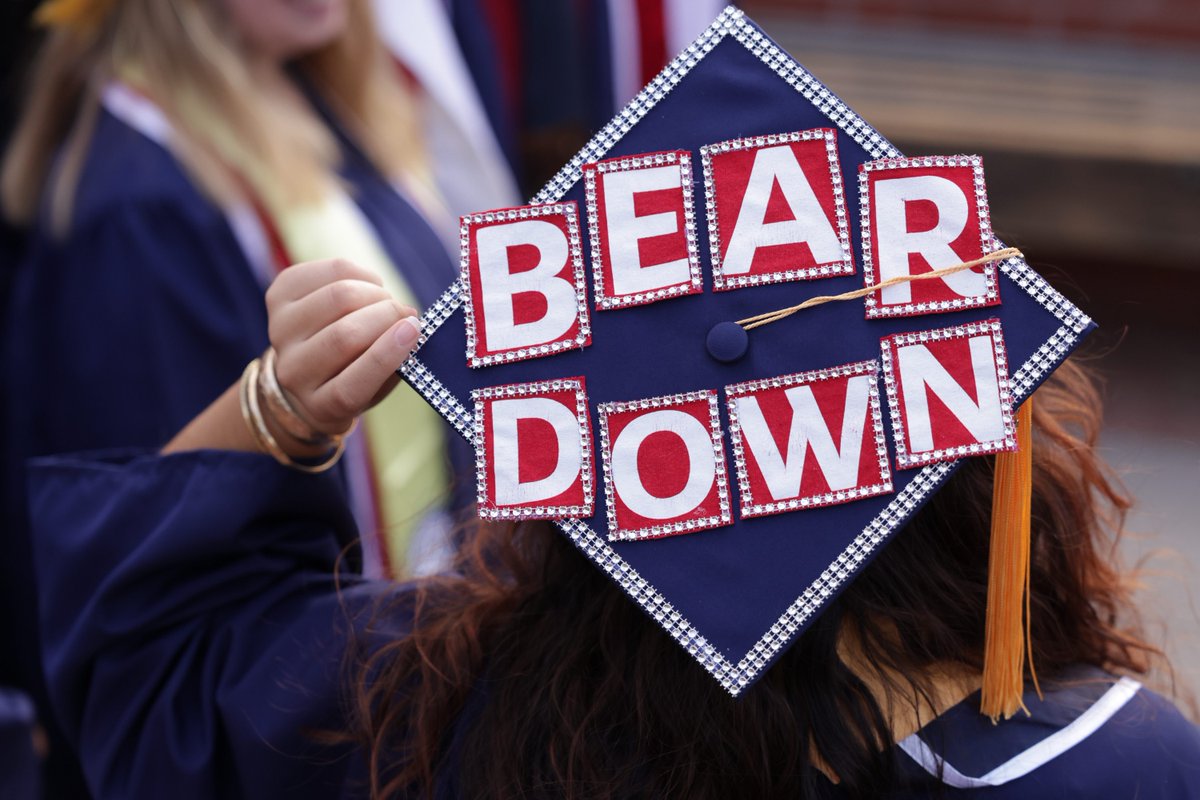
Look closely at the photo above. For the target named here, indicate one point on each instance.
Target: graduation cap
(736, 343)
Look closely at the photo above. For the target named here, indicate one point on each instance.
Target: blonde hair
(186, 58)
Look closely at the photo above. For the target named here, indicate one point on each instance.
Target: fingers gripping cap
(733, 478)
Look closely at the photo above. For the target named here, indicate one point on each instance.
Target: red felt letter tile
(810, 439)
(776, 210)
(664, 466)
(533, 450)
(922, 214)
(523, 273)
(948, 393)
(643, 229)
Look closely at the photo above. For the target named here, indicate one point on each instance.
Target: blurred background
(1087, 114)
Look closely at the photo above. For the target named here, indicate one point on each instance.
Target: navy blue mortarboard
(627, 356)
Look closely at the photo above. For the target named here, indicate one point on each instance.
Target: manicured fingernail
(407, 331)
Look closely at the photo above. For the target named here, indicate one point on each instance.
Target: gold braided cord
(766, 318)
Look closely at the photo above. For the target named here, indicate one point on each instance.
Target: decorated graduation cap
(736, 343)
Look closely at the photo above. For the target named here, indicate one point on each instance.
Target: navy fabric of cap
(733, 479)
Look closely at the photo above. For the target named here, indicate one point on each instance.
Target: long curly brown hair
(529, 674)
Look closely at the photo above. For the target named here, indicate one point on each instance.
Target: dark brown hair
(529, 674)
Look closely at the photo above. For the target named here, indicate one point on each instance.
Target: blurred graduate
(172, 157)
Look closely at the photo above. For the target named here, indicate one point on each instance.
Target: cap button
(727, 342)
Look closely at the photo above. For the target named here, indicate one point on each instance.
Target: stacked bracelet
(281, 409)
(256, 383)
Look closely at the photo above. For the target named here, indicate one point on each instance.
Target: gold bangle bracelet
(281, 409)
(252, 414)
(245, 387)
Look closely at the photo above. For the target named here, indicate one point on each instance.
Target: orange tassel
(1007, 639)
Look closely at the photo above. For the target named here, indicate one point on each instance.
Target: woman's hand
(339, 338)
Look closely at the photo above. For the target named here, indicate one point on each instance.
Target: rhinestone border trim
(987, 242)
(906, 459)
(723, 517)
(833, 269)
(746, 503)
(735, 676)
(581, 339)
(695, 284)
(583, 419)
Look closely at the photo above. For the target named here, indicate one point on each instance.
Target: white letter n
(920, 370)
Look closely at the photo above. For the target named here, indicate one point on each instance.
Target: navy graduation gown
(19, 778)
(194, 636)
(1143, 749)
(119, 334)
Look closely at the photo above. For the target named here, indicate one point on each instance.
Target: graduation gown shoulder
(196, 633)
(1091, 735)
